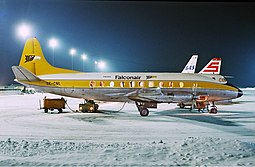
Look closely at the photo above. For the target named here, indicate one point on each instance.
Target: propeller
(194, 94)
(228, 76)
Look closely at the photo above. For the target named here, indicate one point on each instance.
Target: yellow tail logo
(29, 58)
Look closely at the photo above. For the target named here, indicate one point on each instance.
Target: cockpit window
(222, 80)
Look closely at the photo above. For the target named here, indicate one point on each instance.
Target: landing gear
(181, 105)
(213, 109)
(144, 112)
(142, 107)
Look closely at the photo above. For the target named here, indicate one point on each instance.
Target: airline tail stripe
(213, 67)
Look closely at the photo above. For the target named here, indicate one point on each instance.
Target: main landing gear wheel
(182, 105)
(144, 112)
(213, 111)
(142, 109)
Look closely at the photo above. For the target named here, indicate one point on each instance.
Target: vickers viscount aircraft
(145, 89)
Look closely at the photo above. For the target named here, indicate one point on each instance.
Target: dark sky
(134, 36)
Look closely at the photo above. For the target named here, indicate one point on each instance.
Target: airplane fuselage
(120, 86)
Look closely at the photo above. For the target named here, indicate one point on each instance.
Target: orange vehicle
(51, 104)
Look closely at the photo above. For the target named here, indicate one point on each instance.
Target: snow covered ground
(169, 136)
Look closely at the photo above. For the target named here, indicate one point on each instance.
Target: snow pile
(190, 151)
(216, 151)
(248, 91)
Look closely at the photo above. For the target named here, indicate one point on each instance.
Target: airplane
(146, 89)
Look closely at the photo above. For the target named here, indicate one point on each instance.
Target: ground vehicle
(51, 104)
(88, 106)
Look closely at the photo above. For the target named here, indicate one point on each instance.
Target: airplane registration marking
(53, 83)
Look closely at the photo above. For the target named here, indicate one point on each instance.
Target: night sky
(134, 36)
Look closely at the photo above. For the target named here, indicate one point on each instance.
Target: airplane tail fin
(191, 65)
(34, 61)
(213, 67)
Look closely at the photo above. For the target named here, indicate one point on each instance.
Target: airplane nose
(240, 93)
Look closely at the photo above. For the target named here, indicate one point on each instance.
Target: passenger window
(161, 84)
(132, 84)
(181, 84)
(151, 84)
(102, 84)
(141, 84)
(112, 84)
(171, 84)
(122, 84)
(92, 84)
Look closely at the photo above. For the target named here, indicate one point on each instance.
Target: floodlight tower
(53, 43)
(23, 30)
(84, 57)
(72, 53)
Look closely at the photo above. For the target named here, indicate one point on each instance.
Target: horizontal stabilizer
(23, 74)
(229, 77)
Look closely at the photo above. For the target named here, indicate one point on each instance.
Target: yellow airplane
(145, 89)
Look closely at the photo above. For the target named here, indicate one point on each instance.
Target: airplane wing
(23, 74)
(149, 95)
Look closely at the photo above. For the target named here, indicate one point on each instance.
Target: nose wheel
(213, 109)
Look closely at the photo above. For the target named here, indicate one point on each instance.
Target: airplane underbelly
(97, 94)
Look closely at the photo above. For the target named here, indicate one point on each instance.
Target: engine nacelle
(182, 98)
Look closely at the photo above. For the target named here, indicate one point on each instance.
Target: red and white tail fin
(213, 67)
